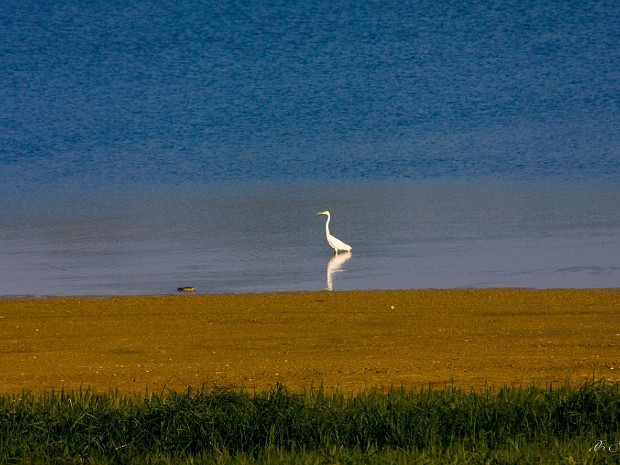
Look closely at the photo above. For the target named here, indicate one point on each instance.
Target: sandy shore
(345, 340)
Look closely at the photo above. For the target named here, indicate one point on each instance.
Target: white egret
(334, 243)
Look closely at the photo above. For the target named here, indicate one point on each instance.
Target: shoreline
(346, 341)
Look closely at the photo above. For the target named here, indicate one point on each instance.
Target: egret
(334, 243)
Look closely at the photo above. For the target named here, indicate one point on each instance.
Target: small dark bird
(186, 289)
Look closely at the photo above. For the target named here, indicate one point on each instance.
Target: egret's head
(323, 213)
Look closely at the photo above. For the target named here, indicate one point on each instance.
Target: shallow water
(269, 238)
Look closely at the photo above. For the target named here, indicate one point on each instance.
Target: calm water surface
(269, 239)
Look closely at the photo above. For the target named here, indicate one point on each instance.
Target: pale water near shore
(268, 238)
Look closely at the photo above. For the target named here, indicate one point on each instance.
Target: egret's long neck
(327, 225)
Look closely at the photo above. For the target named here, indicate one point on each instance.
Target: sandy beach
(349, 341)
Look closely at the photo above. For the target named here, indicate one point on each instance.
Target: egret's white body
(336, 244)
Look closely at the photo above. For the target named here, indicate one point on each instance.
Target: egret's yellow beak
(322, 213)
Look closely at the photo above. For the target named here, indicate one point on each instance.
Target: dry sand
(345, 340)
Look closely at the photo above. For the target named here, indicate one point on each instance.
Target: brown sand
(346, 340)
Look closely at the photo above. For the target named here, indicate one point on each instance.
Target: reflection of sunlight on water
(334, 266)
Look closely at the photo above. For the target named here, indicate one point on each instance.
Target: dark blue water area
(140, 93)
(147, 145)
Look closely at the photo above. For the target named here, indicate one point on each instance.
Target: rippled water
(148, 146)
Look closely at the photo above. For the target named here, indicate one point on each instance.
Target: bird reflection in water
(334, 266)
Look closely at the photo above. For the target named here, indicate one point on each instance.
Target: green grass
(510, 425)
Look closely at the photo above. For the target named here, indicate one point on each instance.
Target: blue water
(148, 145)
